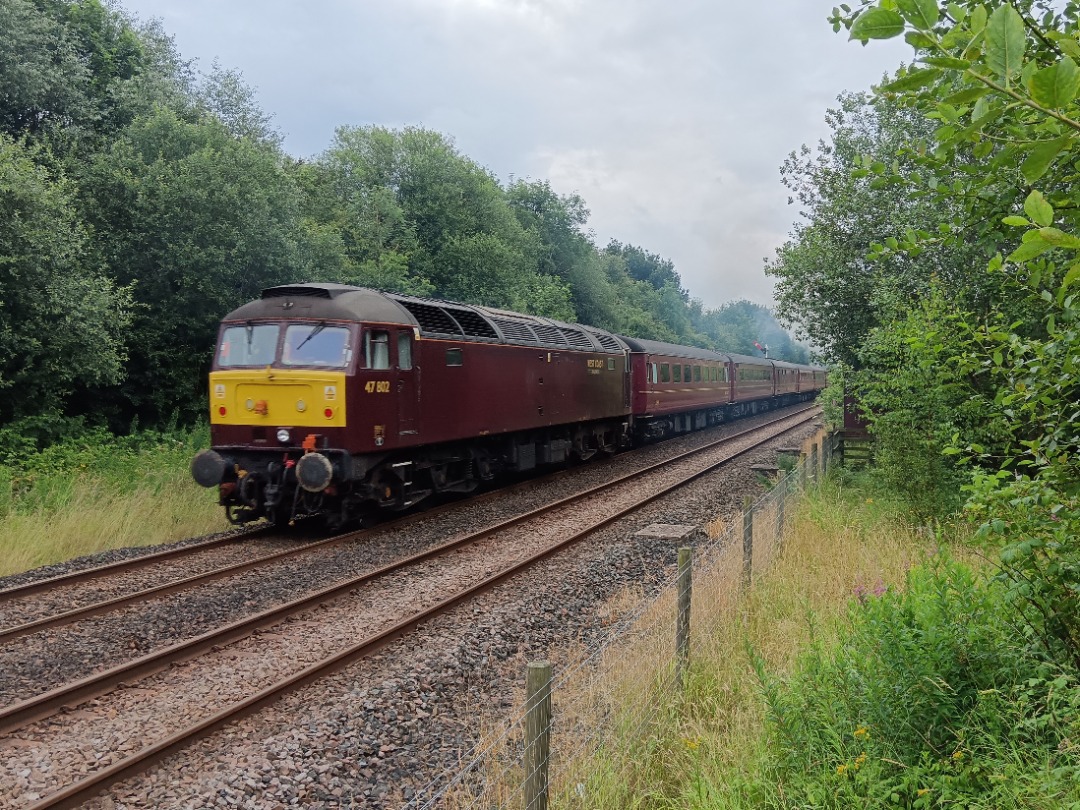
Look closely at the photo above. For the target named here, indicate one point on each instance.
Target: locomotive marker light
(314, 471)
(283, 435)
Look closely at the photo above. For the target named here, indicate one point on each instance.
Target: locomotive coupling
(314, 472)
(208, 468)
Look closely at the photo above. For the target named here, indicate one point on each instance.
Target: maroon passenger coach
(681, 388)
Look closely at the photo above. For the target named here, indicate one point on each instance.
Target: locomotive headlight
(283, 435)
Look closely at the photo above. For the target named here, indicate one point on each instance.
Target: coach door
(556, 387)
(408, 385)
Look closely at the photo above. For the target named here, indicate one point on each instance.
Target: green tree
(195, 221)
(61, 320)
(1001, 79)
(75, 72)
(44, 82)
(842, 272)
(417, 216)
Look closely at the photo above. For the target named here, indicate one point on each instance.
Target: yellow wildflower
(922, 791)
(860, 759)
(841, 768)
(958, 755)
(861, 732)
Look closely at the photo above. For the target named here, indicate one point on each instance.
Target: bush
(930, 697)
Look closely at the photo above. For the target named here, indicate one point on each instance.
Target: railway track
(62, 595)
(601, 500)
(59, 587)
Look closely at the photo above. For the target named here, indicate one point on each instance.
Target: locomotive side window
(404, 351)
(316, 344)
(453, 357)
(665, 372)
(249, 345)
(377, 349)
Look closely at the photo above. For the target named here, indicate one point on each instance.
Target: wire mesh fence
(575, 735)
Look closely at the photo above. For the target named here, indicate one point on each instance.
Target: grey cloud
(670, 119)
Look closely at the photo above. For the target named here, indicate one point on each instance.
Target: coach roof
(672, 349)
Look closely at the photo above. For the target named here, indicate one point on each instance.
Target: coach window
(654, 373)
(665, 372)
(453, 357)
(686, 374)
(697, 373)
(678, 373)
(377, 349)
(404, 351)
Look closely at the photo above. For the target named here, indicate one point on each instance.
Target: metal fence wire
(608, 698)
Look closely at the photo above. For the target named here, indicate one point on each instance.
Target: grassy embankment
(100, 492)
(875, 664)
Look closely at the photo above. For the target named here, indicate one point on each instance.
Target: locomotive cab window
(377, 349)
(404, 351)
(453, 357)
(316, 344)
(248, 345)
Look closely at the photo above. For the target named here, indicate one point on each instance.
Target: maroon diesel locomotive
(336, 400)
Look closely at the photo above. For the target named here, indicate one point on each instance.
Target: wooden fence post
(747, 541)
(781, 503)
(814, 474)
(682, 623)
(537, 734)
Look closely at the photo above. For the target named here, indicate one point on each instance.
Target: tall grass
(102, 492)
(874, 664)
(667, 746)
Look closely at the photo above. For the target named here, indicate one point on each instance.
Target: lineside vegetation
(876, 664)
(96, 492)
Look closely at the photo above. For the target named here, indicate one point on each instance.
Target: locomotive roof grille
(577, 339)
(473, 323)
(549, 334)
(431, 318)
(607, 341)
(516, 330)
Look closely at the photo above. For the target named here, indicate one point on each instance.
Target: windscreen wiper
(311, 334)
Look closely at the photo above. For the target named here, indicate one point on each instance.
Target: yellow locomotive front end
(278, 396)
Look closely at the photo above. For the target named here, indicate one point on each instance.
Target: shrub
(929, 697)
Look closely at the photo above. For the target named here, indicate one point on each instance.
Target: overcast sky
(669, 117)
